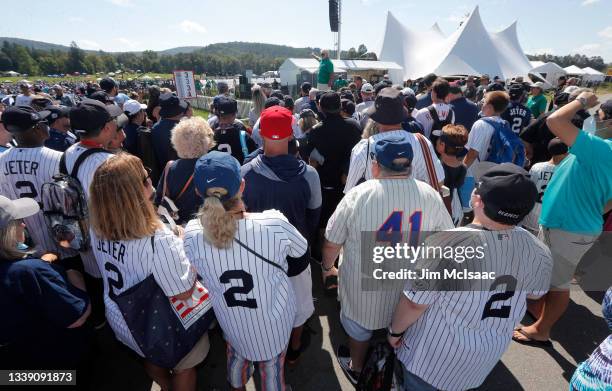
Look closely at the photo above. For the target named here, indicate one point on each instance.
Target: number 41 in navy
(391, 230)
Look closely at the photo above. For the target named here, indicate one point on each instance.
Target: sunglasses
(145, 180)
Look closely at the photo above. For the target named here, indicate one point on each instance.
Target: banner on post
(185, 84)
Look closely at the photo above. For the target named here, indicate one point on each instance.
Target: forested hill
(263, 49)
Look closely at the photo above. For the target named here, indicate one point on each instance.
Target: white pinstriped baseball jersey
(460, 337)
(540, 174)
(24, 171)
(254, 301)
(361, 161)
(85, 176)
(125, 263)
(367, 208)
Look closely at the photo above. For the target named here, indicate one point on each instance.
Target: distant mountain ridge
(225, 48)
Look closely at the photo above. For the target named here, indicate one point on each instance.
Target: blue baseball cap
(387, 149)
(217, 170)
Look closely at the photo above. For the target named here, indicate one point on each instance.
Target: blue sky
(558, 27)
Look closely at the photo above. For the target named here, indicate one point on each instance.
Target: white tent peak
(469, 50)
(436, 28)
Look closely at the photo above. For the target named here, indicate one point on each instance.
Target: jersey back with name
(254, 301)
(540, 174)
(518, 116)
(125, 263)
(460, 337)
(24, 171)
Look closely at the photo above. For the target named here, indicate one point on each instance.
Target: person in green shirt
(537, 101)
(326, 71)
(576, 197)
(339, 83)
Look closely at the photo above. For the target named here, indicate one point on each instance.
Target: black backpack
(64, 205)
(378, 373)
(438, 124)
(147, 154)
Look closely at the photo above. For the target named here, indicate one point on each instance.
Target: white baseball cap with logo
(132, 106)
(367, 88)
(11, 210)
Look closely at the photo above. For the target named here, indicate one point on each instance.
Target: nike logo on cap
(210, 180)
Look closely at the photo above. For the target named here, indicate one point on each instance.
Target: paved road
(521, 367)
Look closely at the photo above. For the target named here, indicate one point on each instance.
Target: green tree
(24, 62)
(361, 50)
(76, 59)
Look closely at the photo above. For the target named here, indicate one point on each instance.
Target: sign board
(185, 84)
(249, 75)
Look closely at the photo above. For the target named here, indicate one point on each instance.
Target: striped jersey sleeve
(358, 165)
(170, 266)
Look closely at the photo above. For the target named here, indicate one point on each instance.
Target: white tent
(11, 73)
(549, 71)
(593, 75)
(292, 67)
(574, 70)
(470, 50)
(536, 64)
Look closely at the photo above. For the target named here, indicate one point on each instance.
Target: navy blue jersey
(518, 116)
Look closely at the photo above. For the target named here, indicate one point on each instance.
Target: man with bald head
(326, 71)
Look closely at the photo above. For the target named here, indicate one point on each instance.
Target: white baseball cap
(133, 106)
(539, 85)
(11, 210)
(367, 87)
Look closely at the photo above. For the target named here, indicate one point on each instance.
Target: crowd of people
(187, 217)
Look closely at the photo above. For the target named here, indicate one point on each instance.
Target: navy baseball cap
(507, 192)
(171, 105)
(388, 149)
(217, 170)
(226, 105)
(556, 147)
(91, 115)
(57, 112)
(516, 91)
(21, 118)
(108, 83)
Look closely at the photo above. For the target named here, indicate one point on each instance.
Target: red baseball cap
(275, 123)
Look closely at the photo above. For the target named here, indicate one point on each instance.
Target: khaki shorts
(302, 285)
(567, 249)
(196, 355)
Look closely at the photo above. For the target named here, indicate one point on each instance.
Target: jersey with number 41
(24, 171)
(253, 300)
(387, 207)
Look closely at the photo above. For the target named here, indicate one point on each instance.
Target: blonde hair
(259, 100)
(8, 242)
(192, 138)
(370, 129)
(118, 183)
(217, 220)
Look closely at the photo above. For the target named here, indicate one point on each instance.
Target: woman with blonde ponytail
(242, 258)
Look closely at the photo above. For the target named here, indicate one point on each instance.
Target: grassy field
(70, 78)
(201, 113)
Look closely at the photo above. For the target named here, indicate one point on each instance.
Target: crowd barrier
(203, 102)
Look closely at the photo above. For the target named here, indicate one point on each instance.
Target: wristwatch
(582, 101)
(395, 335)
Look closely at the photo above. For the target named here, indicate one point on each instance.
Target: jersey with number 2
(253, 300)
(24, 171)
(518, 116)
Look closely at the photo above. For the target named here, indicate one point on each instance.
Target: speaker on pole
(333, 15)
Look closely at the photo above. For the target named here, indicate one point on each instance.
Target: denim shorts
(355, 330)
